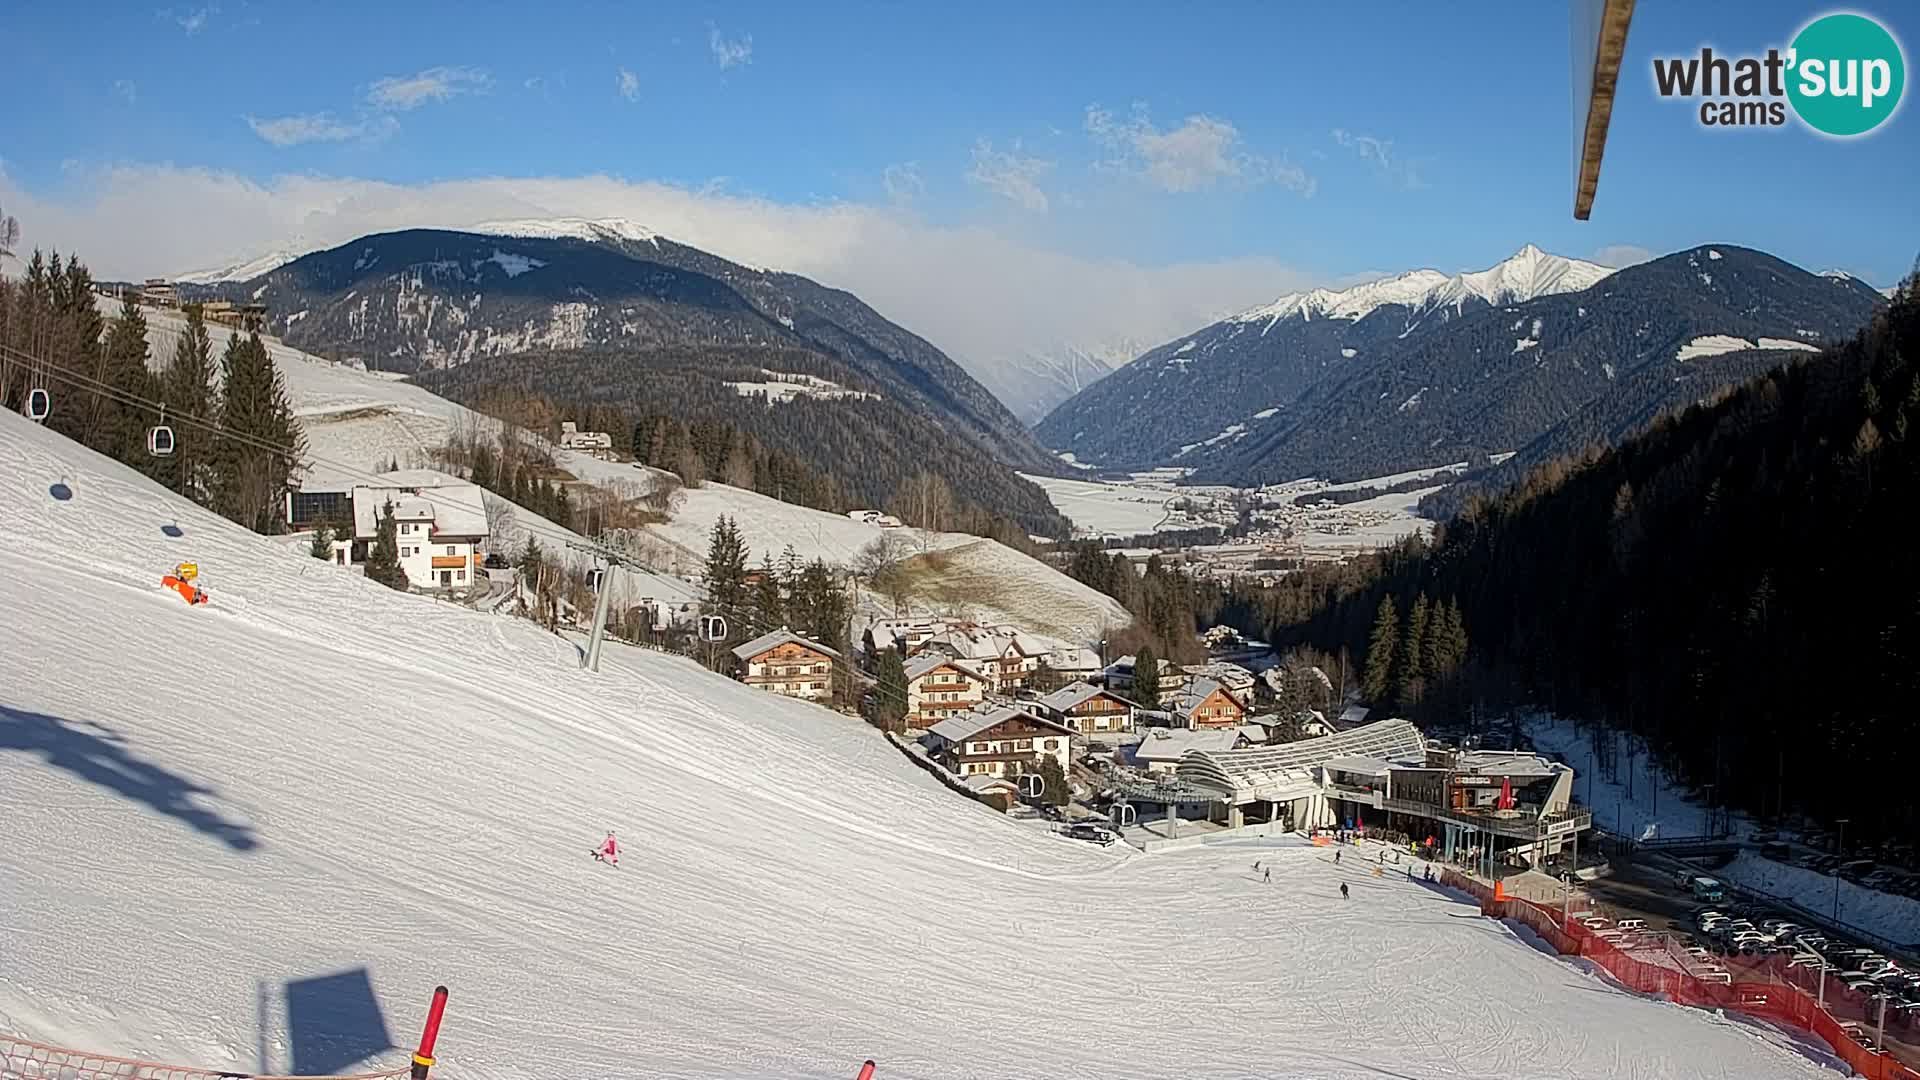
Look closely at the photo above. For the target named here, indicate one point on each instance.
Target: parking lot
(1741, 936)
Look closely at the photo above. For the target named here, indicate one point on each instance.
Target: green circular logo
(1846, 75)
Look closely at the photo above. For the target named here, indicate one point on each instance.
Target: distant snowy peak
(1353, 303)
(245, 271)
(595, 229)
(1529, 273)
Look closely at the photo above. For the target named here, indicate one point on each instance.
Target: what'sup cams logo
(1842, 76)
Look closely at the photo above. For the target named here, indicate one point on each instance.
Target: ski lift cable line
(89, 384)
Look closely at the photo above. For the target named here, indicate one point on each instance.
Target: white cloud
(1009, 174)
(1380, 153)
(1201, 153)
(935, 280)
(403, 92)
(126, 89)
(903, 182)
(321, 127)
(628, 84)
(191, 21)
(1621, 255)
(726, 53)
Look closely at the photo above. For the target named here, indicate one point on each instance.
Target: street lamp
(1840, 850)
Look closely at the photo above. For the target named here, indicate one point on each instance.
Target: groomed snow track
(312, 781)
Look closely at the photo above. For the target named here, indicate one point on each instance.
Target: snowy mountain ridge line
(595, 229)
(1528, 273)
(240, 271)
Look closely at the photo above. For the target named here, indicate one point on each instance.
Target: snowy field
(314, 778)
(355, 419)
(1119, 509)
(1891, 916)
(1646, 805)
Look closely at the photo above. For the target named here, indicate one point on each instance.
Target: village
(1020, 721)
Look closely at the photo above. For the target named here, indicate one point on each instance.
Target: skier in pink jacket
(608, 851)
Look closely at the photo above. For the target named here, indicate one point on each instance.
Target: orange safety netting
(24, 1060)
(1758, 985)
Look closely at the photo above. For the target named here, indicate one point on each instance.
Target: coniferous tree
(255, 461)
(383, 559)
(186, 386)
(125, 423)
(1057, 791)
(1146, 677)
(888, 703)
(483, 474)
(767, 606)
(322, 545)
(1411, 668)
(727, 570)
(1377, 683)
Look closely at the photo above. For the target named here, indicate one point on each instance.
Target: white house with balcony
(998, 740)
(440, 526)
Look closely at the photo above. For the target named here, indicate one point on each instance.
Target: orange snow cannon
(182, 582)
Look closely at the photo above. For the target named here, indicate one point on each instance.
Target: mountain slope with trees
(1731, 588)
(617, 300)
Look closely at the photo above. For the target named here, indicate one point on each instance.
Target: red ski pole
(866, 1071)
(423, 1057)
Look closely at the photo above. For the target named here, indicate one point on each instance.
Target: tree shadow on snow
(334, 1022)
(98, 755)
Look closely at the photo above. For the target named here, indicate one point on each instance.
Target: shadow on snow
(98, 755)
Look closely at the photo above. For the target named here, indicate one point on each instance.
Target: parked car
(1094, 834)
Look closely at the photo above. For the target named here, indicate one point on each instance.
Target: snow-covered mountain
(596, 229)
(240, 271)
(1526, 274)
(1035, 381)
(251, 836)
(1424, 368)
(1193, 389)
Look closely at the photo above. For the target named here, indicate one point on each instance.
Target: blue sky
(1218, 151)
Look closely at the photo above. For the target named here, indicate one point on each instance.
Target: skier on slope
(609, 850)
(1343, 890)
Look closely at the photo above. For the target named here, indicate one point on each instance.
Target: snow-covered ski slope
(203, 807)
(359, 419)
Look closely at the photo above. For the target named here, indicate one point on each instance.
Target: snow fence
(23, 1060)
(1761, 986)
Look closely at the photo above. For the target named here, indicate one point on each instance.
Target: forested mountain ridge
(833, 443)
(1734, 585)
(421, 299)
(585, 312)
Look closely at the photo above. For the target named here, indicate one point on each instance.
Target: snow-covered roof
(1169, 744)
(1253, 732)
(1076, 693)
(774, 639)
(456, 507)
(1288, 767)
(1516, 764)
(1189, 700)
(930, 661)
(963, 726)
(1232, 676)
(1354, 714)
(1359, 765)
